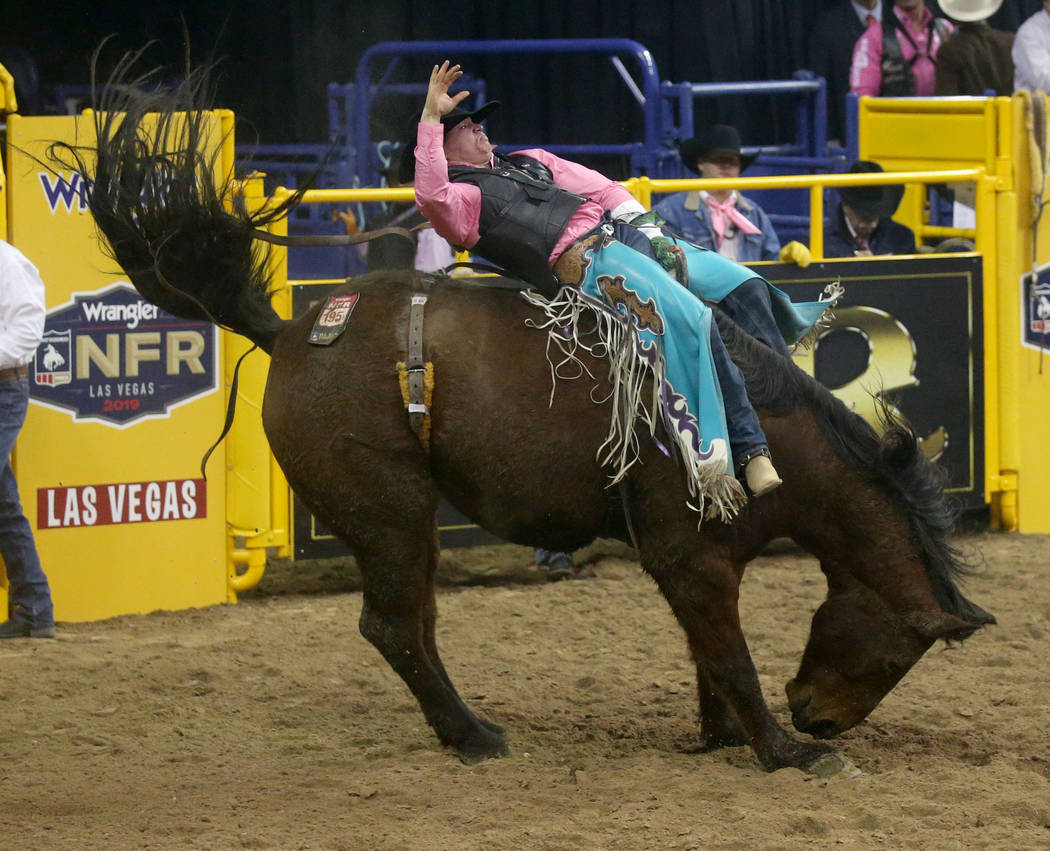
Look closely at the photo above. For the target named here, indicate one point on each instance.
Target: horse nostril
(822, 729)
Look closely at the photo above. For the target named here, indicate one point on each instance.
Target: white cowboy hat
(969, 11)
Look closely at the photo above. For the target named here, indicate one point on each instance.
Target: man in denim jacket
(723, 221)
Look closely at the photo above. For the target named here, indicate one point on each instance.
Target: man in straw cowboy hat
(862, 225)
(975, 59)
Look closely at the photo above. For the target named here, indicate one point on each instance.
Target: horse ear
(941, 625)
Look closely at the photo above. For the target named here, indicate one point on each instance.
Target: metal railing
(809, 149)
(643, 188)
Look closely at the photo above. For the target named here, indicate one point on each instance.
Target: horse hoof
(833, 766)
(479, 748)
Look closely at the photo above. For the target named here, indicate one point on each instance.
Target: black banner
(910, 330)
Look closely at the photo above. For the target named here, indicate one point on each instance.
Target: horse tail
(159, 199)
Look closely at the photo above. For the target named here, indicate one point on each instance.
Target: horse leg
(695, 572)
(719, 725)
(398, 592)
(704, 602)
(429, 622)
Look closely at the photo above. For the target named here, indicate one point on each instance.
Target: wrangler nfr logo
(111, 357)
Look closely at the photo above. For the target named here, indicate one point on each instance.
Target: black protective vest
(522, 215)
(898, 79)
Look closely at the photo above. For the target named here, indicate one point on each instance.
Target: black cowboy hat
(716, 139)
(874, 201)
(406, 172)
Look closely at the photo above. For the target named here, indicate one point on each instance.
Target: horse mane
(894, 460)
(160, 197)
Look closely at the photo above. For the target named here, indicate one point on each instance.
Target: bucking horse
(521, 462)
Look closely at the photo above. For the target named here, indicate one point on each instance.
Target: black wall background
(279, 56)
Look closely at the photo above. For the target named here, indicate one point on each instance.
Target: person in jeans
(31, 613)
(567, 229)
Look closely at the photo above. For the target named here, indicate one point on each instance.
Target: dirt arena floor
(273, 724)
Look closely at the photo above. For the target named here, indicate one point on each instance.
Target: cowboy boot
(761, 475)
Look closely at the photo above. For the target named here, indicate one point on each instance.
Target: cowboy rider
(470, 195)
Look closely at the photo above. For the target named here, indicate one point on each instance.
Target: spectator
(31, 614)
(723, 220)
(975, 59)
(1031, 52)
(898, 58)
(861, 225)
(834, 32)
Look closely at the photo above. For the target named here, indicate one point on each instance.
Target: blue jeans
(749, 307)
(29, 596)
(745, 431)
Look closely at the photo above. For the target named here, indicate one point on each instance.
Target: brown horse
(872, 510)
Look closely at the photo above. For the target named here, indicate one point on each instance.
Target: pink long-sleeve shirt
(865, 76)
(454, 209)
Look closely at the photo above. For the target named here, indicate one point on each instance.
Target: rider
(466, 190)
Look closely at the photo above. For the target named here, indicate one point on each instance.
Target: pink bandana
(727, 210)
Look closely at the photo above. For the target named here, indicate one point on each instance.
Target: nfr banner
(111, 357)
(124, 399)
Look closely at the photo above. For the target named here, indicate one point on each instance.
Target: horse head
(873, 509)
(891, 590)
(859, 648)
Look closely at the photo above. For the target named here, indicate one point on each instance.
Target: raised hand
(438, 101)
